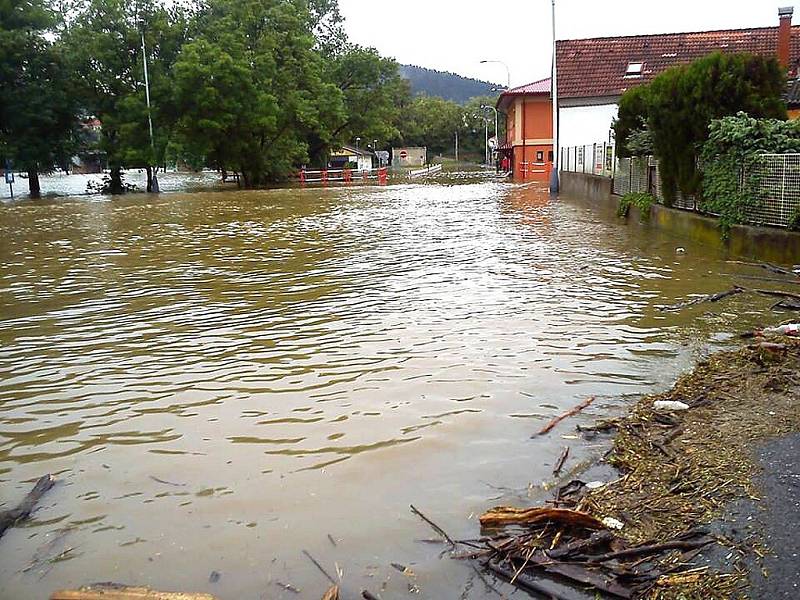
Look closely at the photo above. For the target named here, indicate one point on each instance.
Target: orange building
(529, 130)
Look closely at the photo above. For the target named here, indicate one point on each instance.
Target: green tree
(105, 46)
(678, 106)
(251, 90)
(37, 105)
(372, 91)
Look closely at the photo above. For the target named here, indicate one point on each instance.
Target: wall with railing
(776, 197)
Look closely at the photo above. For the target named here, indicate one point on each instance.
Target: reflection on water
(223, 379)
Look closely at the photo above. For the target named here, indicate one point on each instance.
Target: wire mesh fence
(776, 177)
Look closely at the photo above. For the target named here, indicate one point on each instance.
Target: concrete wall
(578, 125)
(760, 243)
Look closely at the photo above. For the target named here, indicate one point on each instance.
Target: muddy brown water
(221, 380)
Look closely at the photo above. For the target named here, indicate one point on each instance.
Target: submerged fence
(775, 177)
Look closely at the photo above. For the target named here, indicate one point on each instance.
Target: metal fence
(592, 159)
(776, 197)
(777, 180)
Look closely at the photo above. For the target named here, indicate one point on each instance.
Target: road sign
(403, 154)
(9, 172)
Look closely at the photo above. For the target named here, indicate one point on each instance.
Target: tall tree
(251, 90)
(105, 45)
(37, 105)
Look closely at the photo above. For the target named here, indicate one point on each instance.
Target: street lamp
(500, 62)
(554, 98)
(486, 136)
(496, 119)
(358, 139)
(154, 182)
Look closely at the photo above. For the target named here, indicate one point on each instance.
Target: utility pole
(154, 187)
(554, 97)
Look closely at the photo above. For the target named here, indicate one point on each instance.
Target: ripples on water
(222, 379)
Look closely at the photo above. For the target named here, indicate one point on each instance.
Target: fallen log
(115, 591)
(508, 515)
(778, 294)
(9, 518)
(569, 413)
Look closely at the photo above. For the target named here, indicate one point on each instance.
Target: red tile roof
(537, 88)
(596, 67)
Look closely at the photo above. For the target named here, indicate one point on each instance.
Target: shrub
(729, 158)
(679, 104)
(641, 201)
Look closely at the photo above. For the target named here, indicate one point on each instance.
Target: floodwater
(222, 380)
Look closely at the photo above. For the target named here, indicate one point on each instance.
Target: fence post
(784, 216)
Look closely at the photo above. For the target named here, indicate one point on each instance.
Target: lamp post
(500, 62)
(554, 96)
(486, 137)
(496, 120)
(154, 184)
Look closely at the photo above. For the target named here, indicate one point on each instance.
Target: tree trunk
(149, 170)
(33, 182)
(115, 185)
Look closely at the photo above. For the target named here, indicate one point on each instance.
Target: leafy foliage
(678, 105)
(642, 201)
(729, 155)
(37, 106)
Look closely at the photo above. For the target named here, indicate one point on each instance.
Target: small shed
(348, 155)
(410, 157)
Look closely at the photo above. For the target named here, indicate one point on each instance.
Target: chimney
(785, 35)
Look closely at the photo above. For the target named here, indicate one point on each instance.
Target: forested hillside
(444, 85)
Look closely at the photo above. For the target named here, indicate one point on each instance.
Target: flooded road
(221, 380)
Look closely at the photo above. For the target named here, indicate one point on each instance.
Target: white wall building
(594, 73)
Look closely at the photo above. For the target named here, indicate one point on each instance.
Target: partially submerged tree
(37, 107)
(251, 91)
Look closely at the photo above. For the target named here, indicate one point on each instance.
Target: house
(355, 158)
(594, 73)
(529, 130)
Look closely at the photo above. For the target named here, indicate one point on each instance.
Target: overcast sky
(455, 35)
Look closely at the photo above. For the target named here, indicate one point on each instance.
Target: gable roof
(596, 67)
(542, 87)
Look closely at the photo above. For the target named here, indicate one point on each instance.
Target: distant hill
(445, 85)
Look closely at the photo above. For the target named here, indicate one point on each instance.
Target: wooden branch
(508, 515)
(561, 460)
(11, 517)
(651, 549)
(319, 566)
(436, 528)
(332, 593)
(569, 413)
(115, 591)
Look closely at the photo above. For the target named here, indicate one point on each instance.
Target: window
(539, 156)
(550, 156)
(634, 69)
